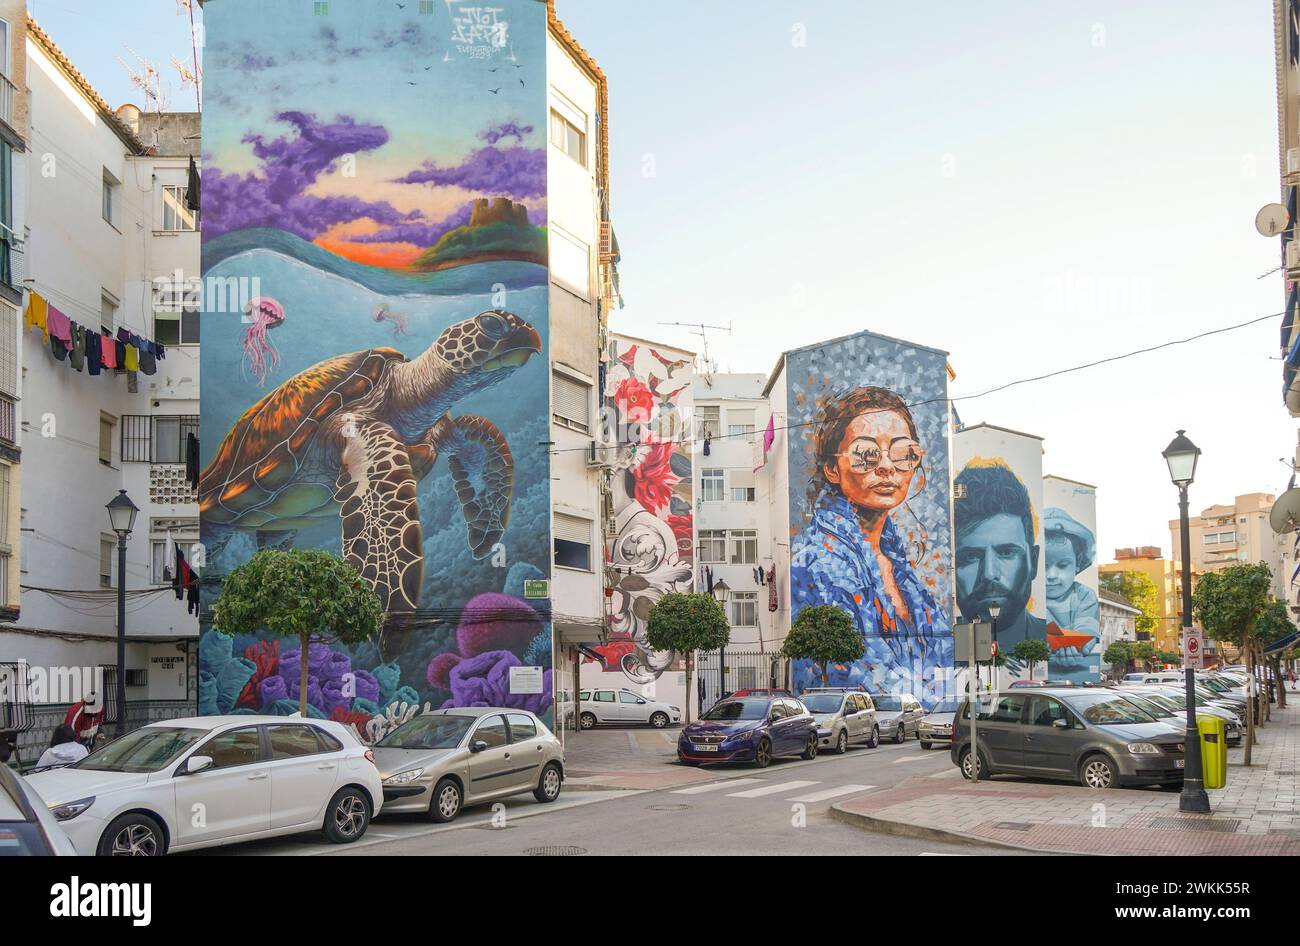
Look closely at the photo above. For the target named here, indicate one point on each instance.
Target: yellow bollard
(1214, 751)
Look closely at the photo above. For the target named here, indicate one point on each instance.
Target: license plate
(1179, 763)
(699, 748)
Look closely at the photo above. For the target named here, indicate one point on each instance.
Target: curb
(905, 829)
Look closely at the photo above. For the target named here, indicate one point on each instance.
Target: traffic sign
(1193, 649)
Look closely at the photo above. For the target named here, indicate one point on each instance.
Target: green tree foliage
(1119, 655)
(1141, 592)
(687, 622)
(1031, 651)
(303, 593)
(1143, 652)
(824, 634)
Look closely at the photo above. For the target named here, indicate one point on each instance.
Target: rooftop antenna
(148, 79)
(707, 367)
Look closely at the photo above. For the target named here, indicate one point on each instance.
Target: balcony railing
(8, 423)
(8, 94)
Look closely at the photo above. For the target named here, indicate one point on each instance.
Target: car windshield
(889, 703)
(1148, 704)
(145, 750)
(732, 710)
(1175, 704)
(1215, 684)
(822, 702)
(946, 706)
(428, 732)
(1105, 709)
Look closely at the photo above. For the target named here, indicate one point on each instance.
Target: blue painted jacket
(832, 562)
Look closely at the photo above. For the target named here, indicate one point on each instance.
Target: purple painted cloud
(511, 172)
(290, 165)
(252, 62)
(421, 233)
(506, 130)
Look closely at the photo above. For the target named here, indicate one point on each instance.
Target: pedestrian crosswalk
(795, 789)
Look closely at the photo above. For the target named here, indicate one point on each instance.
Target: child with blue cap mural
(1069, 549)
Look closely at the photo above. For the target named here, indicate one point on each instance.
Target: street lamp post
(994, 610)
(1181, 456)
(121, 516)
(722, 594)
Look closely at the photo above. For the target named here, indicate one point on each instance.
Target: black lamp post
(722, 594)
(121, 515)
(994, 610)
(1181, 455)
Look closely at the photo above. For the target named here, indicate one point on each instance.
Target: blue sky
(1026, 185)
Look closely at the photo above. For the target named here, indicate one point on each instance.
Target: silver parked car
(898, 715)
(844, 717)
(438, 762)
(624, 706)
(936, 725)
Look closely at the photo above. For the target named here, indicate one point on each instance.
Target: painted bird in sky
(671, 364)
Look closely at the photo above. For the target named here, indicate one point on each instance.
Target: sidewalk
(1256, 813)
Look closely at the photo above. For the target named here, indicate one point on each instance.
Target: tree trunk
(305, 640)
(1279, 683)
(1268, 704)
(826, 670)
(1250, 708)
(689, 659)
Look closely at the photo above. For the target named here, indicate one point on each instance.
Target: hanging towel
(192, 459)
(181, 574)
(58, 325)
(78, 355)
(108, 351)
(132, 382)
(147, 363)
(708, 438)
(132, 358)
(771, 589)
(192, 186)
(36, 314)
(169, 557)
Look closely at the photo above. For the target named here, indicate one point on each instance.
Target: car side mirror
(195, 764)
(641, 702)
(1061, 723)
(478, 745)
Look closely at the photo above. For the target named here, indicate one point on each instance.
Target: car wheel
(810, 750)
(587, 721)
(658, 720)
(842, 744)
(1098, 771)
(347, 816)
(133, 835)
(548, 786)
(901, 735)
(763, 753)
(972, 765)
(445, 804)
(926, 745)
(875, 737)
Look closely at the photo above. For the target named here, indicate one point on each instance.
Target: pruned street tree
(1031, 651)
(824, 634)
(686, 622)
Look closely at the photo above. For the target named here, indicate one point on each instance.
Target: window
(175, 313)
(107, 544)
(1005, 710)
(713, 546)
(626, 697)
(107, 426)
(170, 433)
(604, 696)
(237, 747)
(708, 420)
(744, 609)
(4, 515)
(184, 533)
(176, 216)
(4, 47)
(742, 486)
(713, 486)
(288, 742)
(521, 727)
(1044, 711)
(744, 546)
(108, 304)
(572, 542)
(570, 261)
(740, 423)
(8, 351)
(570, 402)
(327, 742)
(111, 185)
(491, 730)
(569, 133)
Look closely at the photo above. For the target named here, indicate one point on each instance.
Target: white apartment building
(105, 195)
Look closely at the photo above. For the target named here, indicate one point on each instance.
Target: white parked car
(192, 783)
(623, 706)
(26, 825)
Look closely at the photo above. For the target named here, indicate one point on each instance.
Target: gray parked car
(1170, 706)
(936, 725)
(1093, 736)
(898, 715)
(438, 762)
(844, 717)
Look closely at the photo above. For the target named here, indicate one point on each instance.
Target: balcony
(8, 95)
(8, 421)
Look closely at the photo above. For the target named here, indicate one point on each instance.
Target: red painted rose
(635, 401)
(654, 478)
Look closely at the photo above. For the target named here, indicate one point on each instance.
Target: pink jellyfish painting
(260, 353)
(384, 314)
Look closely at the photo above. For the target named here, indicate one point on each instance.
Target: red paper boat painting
(1058, 639)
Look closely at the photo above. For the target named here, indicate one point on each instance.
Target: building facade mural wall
(374, 195)
(1070, 580)
(650, 529)
(998, 512)
(870, 523)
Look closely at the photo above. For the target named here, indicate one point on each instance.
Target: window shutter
(571, 401)
(8, 350)
(572, 529)
(742, 479)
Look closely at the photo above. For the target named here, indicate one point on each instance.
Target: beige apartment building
(1235, 534)
(1167, 575)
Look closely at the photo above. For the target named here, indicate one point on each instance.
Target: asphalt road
(779, 810)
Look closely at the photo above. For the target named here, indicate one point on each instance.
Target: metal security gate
(720, 673)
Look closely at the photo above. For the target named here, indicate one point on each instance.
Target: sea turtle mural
(353, 434)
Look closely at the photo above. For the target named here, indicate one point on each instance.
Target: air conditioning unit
(1293, 260)
(595, 455)
(1292, 160)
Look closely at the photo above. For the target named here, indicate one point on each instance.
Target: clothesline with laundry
(89, 348)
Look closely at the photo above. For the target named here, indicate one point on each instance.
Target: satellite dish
(1285, 515)
(1272, 219)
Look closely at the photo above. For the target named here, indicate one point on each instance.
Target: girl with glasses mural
(862, 547)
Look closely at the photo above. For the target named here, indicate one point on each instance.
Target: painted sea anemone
(264, 314)
(384, 314)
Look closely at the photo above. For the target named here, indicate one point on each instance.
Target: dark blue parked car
(750, 729)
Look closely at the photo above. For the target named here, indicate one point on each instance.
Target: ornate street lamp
(994, 610)
(722, 594)
(1181, 456)
(121, 516)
